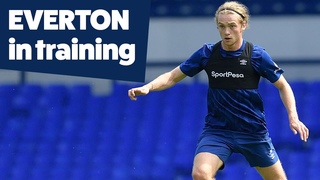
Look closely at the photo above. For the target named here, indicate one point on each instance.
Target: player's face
(230, 30)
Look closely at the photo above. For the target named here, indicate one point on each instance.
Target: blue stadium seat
(8, 90)
(183, 158)
(314, 159)
(162, 169)
(21, 169)
(27, 97)
(31, 90)
(314, 155)
(297, 165)
(95, 107)
(45, 153)
(6, 163)
(78, 96)
(31, 129)
(79, 172)
(51, 129)
(312, 172)
(234, 170)
(252, 174)
(80, 90)
(40, 172)
(102, 166)
(310, 109)
(5, 106)
(142, 163)
(55, 95)
(300, 90)
(7, 93)
(60, 172)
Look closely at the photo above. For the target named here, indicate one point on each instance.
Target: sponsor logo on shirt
(226, 74)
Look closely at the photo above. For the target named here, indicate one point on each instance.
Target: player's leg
(261, 154)
(273, 172)
(212, 152)
(205, 166)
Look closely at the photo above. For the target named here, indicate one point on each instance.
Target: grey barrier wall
(284, 37)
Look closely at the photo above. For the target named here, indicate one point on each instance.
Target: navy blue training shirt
(237, 110)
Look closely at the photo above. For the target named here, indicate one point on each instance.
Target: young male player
(235, 122)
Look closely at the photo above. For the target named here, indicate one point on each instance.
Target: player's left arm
(288, 99)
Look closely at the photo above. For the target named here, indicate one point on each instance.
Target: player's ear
(243, 26)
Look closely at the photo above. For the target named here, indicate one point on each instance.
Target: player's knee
(275, 176)
(274, 172)
(202, 173)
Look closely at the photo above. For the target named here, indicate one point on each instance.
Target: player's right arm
(162, 82)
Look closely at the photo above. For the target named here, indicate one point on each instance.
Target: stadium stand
(60, 132)
(69, 133)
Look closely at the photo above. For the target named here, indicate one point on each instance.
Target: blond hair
(234, 7)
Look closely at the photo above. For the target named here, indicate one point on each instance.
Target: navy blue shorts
(258, 150)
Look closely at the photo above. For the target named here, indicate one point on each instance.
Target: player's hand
(134, 92)
(298, 127)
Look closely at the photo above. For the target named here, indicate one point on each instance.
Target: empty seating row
(60, 132)
(185, 8)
